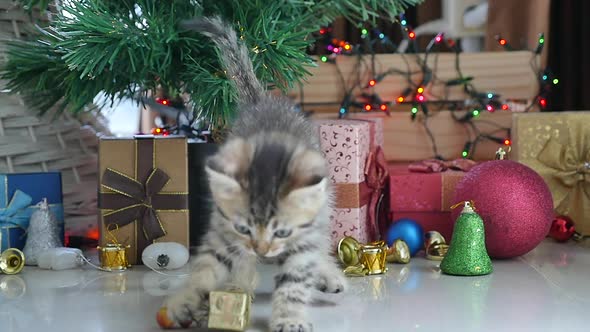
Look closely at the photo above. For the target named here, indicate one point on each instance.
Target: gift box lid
(141, 136)
(421, 192)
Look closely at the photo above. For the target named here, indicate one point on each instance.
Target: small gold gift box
(229, 310)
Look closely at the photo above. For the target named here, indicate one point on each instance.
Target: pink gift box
(348, 145)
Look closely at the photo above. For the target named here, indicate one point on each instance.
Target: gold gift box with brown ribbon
(143, 189)
(557, 146)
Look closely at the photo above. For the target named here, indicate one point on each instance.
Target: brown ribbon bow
(437, 166)
(376, 174)
(368, 192)
(570, 165)
(137, 201)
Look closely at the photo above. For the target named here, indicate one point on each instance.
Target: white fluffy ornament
(165, 255)
(60, 259)
(42, 234)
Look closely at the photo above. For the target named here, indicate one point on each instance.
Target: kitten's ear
(223, 187)
(304, 203)
(307, 168)
(225, 169)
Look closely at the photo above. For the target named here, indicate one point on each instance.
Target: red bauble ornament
(514, 203)
(562, 229)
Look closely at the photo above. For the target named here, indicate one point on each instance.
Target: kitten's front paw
(183, 310)
(331, 284)
(290, 325)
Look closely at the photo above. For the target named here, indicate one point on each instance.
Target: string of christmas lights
(415, 93)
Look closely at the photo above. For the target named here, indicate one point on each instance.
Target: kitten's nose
(262, 248)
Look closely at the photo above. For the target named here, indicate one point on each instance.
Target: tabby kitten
(271, 198)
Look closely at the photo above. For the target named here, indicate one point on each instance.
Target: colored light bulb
(543, 102)
(555, 81)
(505, 107)
(383, 107)
(372, 82)
(400, 99)
(475, 112)
(414, 110)
(322, 31)
(347, 47)
(490, 108)
(342, 110)
(381, 36)
(541, 40)
(364, 31)
(420, 90)
(502, 41)
(464, 154)
(420, 98)
(368, 107)
(330, 47)
(336, 50)
(438, 38)
(411, 35)
(490, 95)
(507, 142)
(324, 58)
(403, 22)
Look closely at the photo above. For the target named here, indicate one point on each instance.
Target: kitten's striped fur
(271, 198)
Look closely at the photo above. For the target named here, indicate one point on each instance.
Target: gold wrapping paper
(557, 146)
(169, 155)
(229, 310)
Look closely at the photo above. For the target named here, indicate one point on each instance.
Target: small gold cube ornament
(229, 310)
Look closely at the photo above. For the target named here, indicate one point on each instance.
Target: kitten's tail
(234, 55)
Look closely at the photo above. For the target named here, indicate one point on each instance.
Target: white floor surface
(545, 290)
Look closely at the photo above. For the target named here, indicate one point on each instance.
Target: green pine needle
(121, 47)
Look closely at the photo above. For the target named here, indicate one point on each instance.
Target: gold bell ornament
(12, 261)
(435, 246)
(369, 259)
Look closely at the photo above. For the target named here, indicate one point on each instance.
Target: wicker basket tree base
(33, 143)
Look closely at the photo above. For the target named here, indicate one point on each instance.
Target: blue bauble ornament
(409, 231)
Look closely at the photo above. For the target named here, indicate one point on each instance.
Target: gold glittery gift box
(557, 146)
(229, 310)
(143, 192)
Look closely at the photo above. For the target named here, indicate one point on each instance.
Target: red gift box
(423, 192)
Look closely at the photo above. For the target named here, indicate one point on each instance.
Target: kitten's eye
(282, 233)
(242, 229)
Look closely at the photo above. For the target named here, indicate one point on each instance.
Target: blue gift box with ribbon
(19, 193)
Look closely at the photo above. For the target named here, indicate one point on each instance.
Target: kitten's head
(268, 191)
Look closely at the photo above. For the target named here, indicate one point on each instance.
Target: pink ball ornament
(514, 203)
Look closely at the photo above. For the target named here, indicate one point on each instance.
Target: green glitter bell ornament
(467, 255)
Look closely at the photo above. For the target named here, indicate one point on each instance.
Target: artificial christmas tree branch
(125, 47)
